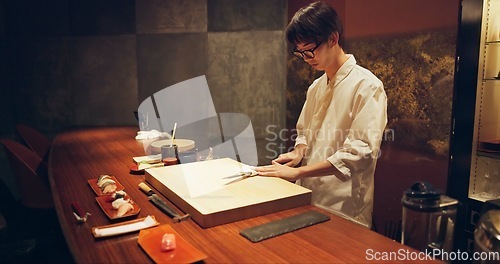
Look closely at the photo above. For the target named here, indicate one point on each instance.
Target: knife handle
(145, 189)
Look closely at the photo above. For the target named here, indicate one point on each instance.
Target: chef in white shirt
(340, 128)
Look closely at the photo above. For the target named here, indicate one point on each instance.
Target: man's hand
(279, 170)
(293, 158)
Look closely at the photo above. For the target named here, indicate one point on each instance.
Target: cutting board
(213, 193)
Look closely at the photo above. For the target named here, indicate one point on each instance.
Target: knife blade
(160, 203)
(242, 174)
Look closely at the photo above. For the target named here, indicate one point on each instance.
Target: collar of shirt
(342, 72)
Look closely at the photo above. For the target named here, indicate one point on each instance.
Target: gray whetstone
(282, 226)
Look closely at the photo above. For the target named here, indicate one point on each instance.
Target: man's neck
(334, 67)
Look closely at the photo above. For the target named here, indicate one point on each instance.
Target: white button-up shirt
(343, 121)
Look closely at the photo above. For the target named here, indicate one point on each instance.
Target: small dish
(124, 227)
(135, 170)
(97, 190)
(490, 145)
(105, 204)
(184, 252)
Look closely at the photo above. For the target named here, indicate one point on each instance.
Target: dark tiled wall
(173, 16)
(234, 15)
(166, 59)
(104, 79)
(30, 19)
(39, 81)
(102, 18)
(253, 79)
(73, 63)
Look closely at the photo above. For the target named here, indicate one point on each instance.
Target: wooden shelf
(478, 197)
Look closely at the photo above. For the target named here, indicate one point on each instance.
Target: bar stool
(31, 175)
(35, 140)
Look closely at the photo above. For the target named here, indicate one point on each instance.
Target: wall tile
(29, 18)
(39, 82)
(246, 74)
(96, 17)
(104, 80)
(167, 59)
(235, 15)
(158, 16)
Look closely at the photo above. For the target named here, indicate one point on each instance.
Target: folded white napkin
(126, 228)
(153, 133)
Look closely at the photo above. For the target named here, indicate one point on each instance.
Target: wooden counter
(79, 155)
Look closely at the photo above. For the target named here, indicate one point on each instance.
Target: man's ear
(333, 39)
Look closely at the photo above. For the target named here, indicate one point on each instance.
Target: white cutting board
(202, 190)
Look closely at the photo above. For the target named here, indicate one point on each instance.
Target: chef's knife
(160, 203)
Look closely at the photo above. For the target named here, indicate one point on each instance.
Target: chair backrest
(35, 140)
(30, 174)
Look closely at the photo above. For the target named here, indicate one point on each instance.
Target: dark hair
(314, 23)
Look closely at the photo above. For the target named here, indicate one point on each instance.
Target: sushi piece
(168, 242)
(104, 179)
(106, 184)
(122, 205)
(118, 202)
(116, 195)
(124, 208)
(110, 188)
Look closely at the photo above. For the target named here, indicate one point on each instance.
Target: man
(341, 124)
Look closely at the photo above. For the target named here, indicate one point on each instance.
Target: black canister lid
(423, 190)
(422, 196)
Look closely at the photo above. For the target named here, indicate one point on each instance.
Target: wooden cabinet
(475, 139)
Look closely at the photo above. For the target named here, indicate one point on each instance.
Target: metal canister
(428, 218)
(487, 236)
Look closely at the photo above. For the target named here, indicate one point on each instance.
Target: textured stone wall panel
(172, 16)
(104, 80)
(237, 15)
(246, 74)
(39, 85)
(166, 59)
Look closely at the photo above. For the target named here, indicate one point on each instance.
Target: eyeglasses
(306, 53)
